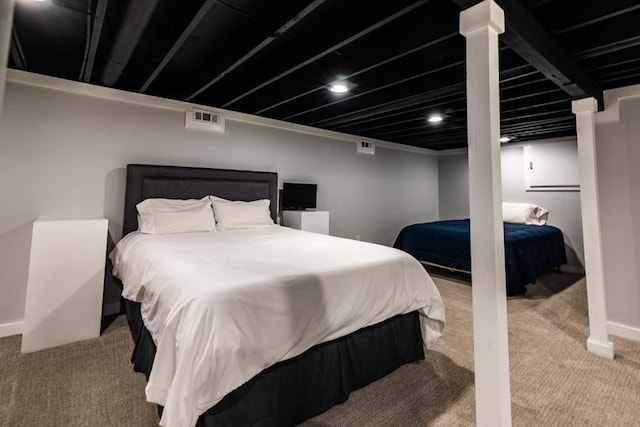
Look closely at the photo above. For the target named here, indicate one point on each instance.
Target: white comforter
(223, 306)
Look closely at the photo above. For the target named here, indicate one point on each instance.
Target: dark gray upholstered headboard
(175, 182)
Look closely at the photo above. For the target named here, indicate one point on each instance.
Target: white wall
(65, 155)
(618, 156)
(564, 207)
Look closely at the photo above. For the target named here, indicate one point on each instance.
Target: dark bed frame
(175, 182)
(293, 390)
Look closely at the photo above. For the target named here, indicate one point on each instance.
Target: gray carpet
(554, 381)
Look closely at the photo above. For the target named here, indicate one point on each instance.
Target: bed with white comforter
(223, 306)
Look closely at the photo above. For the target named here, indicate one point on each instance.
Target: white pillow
(218, 199)
(160, 216)
(524, 213)
(231, 215)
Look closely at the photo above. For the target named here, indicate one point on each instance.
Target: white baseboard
(602, 349)
(623, 331)
(9, 329)
(109, 309)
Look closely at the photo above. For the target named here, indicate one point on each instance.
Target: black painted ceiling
(404, 59)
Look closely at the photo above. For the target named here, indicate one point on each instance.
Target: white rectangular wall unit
(314, 221)
(65, 282)
(551, 167)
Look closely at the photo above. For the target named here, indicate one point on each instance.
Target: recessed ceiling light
(435, 118)
(505, 139)
(339, 87)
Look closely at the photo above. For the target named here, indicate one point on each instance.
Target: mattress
(530, 250)
(248, 299)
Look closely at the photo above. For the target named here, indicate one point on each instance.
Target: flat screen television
(298, 197)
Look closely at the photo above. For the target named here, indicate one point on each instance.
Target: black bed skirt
(307, 385)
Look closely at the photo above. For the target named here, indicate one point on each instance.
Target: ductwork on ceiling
(133, 25)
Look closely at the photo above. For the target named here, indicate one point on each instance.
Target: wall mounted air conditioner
(206, 120)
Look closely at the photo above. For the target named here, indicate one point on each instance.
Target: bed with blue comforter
(530, 250)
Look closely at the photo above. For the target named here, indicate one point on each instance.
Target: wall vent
(204, 120)
(366, 147)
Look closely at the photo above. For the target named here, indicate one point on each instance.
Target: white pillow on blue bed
(524, 213)
(233, 215)
(162, 216)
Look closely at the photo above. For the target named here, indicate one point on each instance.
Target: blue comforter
(530, 250)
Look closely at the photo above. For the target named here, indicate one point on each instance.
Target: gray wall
(453, 179)
(618, 156)
(64, 155)
(564, 207)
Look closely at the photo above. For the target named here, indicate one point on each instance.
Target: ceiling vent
(366, 147)
(204, 120)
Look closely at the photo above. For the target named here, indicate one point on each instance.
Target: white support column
(481, 25)
(598, 342)
(6, 23)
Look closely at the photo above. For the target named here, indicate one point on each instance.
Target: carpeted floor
(554, 381)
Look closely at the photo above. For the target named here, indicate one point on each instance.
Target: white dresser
(314, 221)
(65, 283)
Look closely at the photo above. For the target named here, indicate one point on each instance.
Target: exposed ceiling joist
(526, 36)
(599, 19)
(87, 42)
(332, 49)
(517, 73)
(202, 12)
(619, 78)
(447, 140)
(418, 131)
(386, 134)
(421, 98)
(379, 88)
(394, 123)
(408, 101)
(616, 64)
(519, 117)
(364, 70)
(530, 82)
(355, 127)
(529, 95)
(534, 132)
(16, 52)
(538, 105)
(264, 43)
(610, 47)
(133, 25)
(537, 123)
(96, 32)
(428, 134)
(461, 124)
